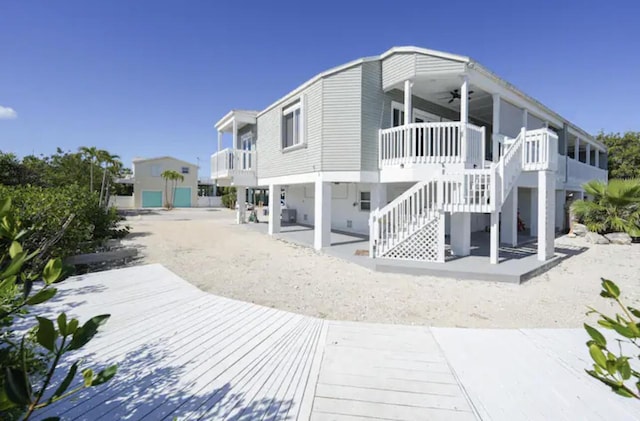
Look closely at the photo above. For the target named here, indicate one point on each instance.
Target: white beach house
(415, 148)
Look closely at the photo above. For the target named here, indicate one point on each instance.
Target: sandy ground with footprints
(204, 247)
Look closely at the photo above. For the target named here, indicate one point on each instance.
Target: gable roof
(139, 160)
(448, 56)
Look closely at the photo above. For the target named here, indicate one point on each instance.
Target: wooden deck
(192, 355)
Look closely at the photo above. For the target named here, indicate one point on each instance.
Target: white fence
(121, 202)
(209, 201)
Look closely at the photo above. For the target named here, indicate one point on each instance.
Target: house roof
(242, 116)
(448, 56)
(138, 160)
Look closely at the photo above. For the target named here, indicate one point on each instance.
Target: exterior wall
(374, 104)
(344, 206)
(341, 121)
(209, 201)
(402, 66)
(272, 161)
(248, 128)
(534, 123)
(145, 181)
(510, 119)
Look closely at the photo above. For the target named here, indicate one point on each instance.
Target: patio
(517, 264)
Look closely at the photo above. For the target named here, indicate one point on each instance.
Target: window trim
(366, 201)
(292, 107)
(185, 173)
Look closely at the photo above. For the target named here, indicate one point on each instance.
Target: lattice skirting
(426, 244)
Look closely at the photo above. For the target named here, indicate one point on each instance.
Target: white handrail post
(484, 145)
(380, 149)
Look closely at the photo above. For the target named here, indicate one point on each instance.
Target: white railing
(401, 218)
(580, 172)
(227, 161)
(432, 143)
(510, 164)
(468, 191)
(540, 150)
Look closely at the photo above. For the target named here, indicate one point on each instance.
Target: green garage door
(183, 197)
(151, 199)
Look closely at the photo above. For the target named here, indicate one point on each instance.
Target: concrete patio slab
(516, 264)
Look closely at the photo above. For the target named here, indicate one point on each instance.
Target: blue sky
(150, 78)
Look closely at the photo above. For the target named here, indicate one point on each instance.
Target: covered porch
(235, 165)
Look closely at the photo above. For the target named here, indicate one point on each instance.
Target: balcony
(424, 144)
(234, 167)
(579, 173)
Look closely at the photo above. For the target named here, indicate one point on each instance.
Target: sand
(206, 248)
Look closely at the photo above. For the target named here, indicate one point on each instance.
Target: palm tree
(615, 206)
(108, 160)
(113, 167)
(171, 176)
(91, 153)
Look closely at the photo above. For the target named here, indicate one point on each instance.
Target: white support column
(219, 141)
(494, 246)
(509, 218)
(274, 209)
(588, 154)
(461, 233)
(496, 128)
(546, 214)
(408, 109)
(378, 195)
(322, 215)
(464, 100)
(525, 118)
(235, 135)
(241, 198)
(576, 154)
(597, 157)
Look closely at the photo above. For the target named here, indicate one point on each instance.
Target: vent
(304, 217)
(349, 223)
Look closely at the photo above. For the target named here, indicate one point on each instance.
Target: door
(182, 197)
(246, 141)
(151, 199)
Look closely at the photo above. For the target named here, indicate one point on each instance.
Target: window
(365, 201)
(292, 133)
(184, 170)
(156, 170)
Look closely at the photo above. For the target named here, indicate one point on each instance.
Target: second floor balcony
(234, 166)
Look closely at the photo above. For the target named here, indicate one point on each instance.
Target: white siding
(341, 120)
(272, 161)
(373, 110)
(398, 68)
(402, 66)
(432, 64)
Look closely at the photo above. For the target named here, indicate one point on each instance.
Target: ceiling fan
(455, 94)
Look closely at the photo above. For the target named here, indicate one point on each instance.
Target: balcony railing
(228, 162)
(432, 143)
(580, 172)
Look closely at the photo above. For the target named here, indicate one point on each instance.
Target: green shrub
(614, 207)
(29, 361)
(229, 197)
(47, 210)
(611, 361)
